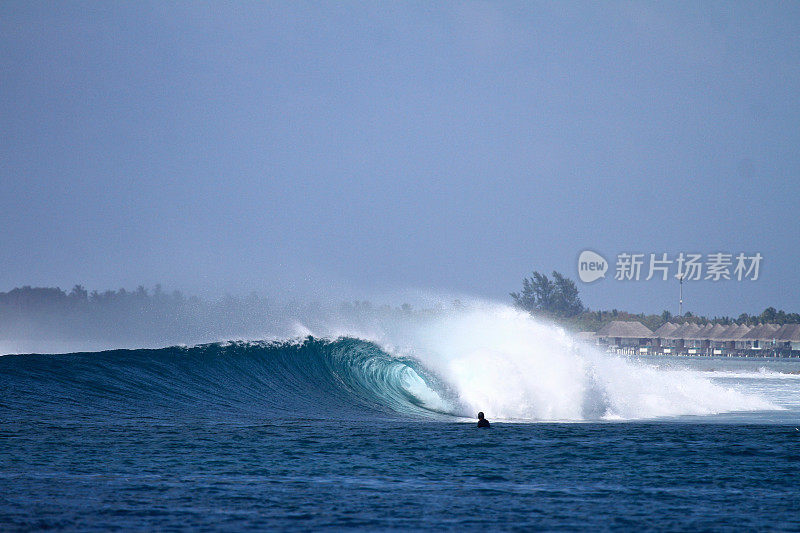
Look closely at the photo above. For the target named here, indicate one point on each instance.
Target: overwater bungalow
(708, 339)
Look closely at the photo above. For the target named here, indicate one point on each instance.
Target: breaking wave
(445, 366)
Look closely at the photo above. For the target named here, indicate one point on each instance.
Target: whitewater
(497, 359)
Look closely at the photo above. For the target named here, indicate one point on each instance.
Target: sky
(358, 149)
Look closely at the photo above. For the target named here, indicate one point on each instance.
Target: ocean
(375, 429)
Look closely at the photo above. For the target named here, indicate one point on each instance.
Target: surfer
(482, 422)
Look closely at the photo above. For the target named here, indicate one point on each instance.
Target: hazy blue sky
(361, 148)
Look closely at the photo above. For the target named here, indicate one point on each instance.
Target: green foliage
(769, 315)
(555, 298)
(590, 320)
(558, 299)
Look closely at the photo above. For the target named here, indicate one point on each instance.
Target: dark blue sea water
(343, 434)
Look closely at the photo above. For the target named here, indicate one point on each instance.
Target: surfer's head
(480, 415)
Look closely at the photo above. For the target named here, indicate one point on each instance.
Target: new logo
(591, 266)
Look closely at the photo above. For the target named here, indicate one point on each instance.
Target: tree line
(557, 298)
(153, 316)
(139, 316)
(37, 318)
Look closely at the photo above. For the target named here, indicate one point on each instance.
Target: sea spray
(502, 361)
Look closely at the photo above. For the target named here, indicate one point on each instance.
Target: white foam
(501, 361)
(762, 374)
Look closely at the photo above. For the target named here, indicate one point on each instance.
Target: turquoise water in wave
(350, 434)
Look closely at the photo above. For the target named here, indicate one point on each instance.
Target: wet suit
(483, 423)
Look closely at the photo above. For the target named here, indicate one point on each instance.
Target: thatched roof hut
(788, 333)
(625, 330)
(716, 331)
(734, 332)
(664, 330)
(686, 331)
(763, 332)
(704, 332)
